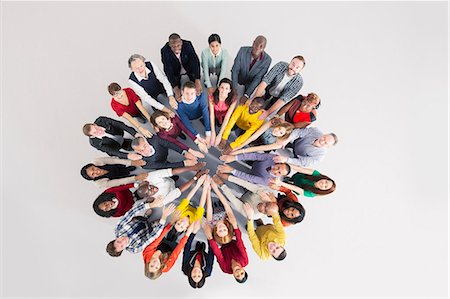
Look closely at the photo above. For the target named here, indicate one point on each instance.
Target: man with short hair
(149, 82)
(193, 106)
(263, 169)
(267, 240)
(135, 233)
(179, 58)
(154, 152)
(250, 66)
(281, 84)
(310, 146)
(107, 135)
(246, 118)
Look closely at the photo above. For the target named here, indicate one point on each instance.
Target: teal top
(301, 180)
(211, 64)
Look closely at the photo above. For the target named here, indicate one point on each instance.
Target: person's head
(280, 169)
(175, 43)
(91, 172)
(197, 277)
(116, 247)
(146, 190)
(267, 208)
(310, 102)
(136, 63)
(326, 140)
(104, 205)
(225, 90)
(182, 224)
(259, 44)
(93, 130)
(223, 232)
(161, 120)
(256, 105)
(141, 146)
(277, 251)
(291, 211)
(282, 131)
(214, 43)
(240, 274)
(296, 65)
(154, 267)
(115, 90)
(188, 91)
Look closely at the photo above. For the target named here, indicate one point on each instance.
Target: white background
(381, 71)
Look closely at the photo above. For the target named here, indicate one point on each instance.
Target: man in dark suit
(106, 135)
(250, 66)
(179, 58)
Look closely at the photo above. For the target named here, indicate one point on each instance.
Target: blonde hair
(313, 97)
(289, 128)
(154, 275)
(228, 237)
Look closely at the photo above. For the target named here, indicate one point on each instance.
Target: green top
(301, 180)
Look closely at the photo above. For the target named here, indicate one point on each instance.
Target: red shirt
(131, 109)
(125, 198)
(233, 250)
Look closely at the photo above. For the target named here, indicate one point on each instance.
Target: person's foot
(217, 180)
(223, 176)
(258, 222)
(175, 177)
(201, 172)
(182, 136)
(199, 165)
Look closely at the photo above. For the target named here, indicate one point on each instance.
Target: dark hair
(113, 88)
(299, 57)
(282, 256)
(87, 129)
(174, 36)
(105, 196)
(259, 100)
(231, 95)
(214, 38)
(287, 203)
(111, 250)
(84, 172)
(199, 284)
(136, 141)
(315, 178)
(157, 114)
(188, 84)
(288, 168)
(243, 279)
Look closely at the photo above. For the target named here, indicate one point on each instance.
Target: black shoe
(175, 177)
(182, 136)
(142, 120)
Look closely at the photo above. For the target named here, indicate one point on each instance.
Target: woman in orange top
(161, 254)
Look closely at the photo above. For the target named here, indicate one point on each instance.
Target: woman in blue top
(214, 61)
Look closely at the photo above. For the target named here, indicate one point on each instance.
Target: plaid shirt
(141, 238)
(275, 76)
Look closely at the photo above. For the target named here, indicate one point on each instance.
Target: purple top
(176, 130)
(259, 174)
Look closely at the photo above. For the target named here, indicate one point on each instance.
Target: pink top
(131, 109)
(176, 130)
(220, 109)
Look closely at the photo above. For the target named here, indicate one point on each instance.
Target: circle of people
(269, 115)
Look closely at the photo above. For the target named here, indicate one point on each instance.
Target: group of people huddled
(271, 121)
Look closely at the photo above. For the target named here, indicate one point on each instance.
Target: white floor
(381, 70)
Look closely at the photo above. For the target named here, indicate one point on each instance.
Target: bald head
(259, 44)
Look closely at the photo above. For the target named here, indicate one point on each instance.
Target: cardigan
(264, 234)
(233, 250)
(244, 120)
(176, 130)
(213, 63)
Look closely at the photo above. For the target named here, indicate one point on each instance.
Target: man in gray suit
(250, 66)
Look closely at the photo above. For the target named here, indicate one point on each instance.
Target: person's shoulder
(165, 48)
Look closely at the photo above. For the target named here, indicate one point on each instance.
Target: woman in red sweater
(114, 202)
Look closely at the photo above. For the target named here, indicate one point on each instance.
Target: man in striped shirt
(133, 233)
(281, 84)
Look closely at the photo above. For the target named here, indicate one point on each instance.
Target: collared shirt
(141, 238)
(275, 76)
(143, 94)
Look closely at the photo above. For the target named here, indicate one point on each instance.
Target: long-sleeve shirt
(275, 76)
(141, 238)
(244, 120)
(212, 63)
(259, 174)
(151, 249)
(144, 95)
(264, 234)
(305, 152)
(234, 250)
(199, 108)
(107, 183)
(186, 209)
(124, 197)
(289, 196)
(177, 128)
(166, 186)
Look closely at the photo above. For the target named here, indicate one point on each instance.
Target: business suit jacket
(190, 255)
(172, 66)
(109, 145)
(241, 74)
(159, 159)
